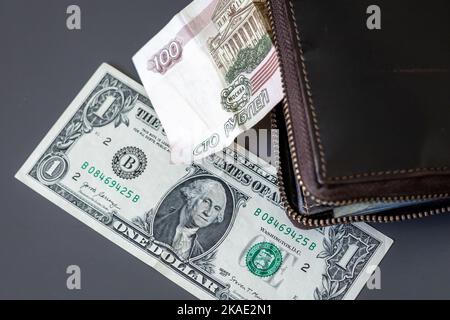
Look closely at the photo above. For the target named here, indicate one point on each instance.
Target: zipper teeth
(319, 222)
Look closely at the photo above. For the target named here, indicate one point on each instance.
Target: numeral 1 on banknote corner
(166, 58)
(104, 107)
(348, 255)
(52, 169)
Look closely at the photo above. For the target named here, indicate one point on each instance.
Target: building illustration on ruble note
(242, 41)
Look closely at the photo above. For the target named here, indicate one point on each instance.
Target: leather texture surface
(369, 109)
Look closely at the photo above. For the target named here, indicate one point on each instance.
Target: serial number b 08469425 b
(110, 182)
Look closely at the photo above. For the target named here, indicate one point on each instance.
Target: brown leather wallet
(365, 124)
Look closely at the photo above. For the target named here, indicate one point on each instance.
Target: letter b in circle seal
(129, 163)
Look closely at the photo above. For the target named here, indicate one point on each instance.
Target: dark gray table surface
(43, 65)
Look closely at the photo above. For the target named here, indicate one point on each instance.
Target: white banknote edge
(22, 175)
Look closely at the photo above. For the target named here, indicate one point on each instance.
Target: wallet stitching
(323, 168)
(304, 220)
(389, 172)
(316, 126)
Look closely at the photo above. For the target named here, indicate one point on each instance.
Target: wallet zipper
(323, 222)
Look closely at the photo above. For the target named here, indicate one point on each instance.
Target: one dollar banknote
(216, 228)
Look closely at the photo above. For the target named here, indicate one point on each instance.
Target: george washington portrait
(194, 216)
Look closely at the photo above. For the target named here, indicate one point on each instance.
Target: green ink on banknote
(264, 259)
(285, 229)
(110, 182)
